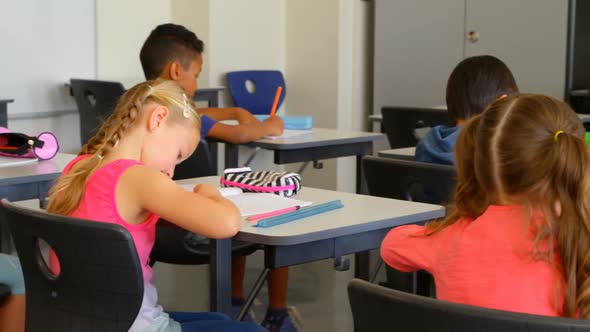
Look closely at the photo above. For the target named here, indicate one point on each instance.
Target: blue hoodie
(438, 145)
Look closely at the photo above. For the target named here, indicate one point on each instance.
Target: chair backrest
(376, 308)
(265, 83)
(96, 101)
(4, 292)
(409, 180)
(100, 285)
(197, 165)
(400, 123)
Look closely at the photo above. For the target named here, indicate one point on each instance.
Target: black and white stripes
(284, 184)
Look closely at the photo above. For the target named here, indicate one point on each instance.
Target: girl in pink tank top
(123, 176)
(517, 236)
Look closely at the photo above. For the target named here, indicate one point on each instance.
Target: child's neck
(127, 148)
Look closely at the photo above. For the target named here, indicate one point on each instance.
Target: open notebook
(251, 204)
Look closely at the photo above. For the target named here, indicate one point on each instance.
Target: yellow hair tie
(559, 132)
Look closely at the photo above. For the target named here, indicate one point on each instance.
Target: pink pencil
(254, 218)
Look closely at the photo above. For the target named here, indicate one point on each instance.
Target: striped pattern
(265, 181)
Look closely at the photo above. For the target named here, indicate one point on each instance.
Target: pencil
(273, 110)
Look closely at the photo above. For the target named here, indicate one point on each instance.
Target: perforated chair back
(376, 308)
(265, 83)
(409, 180)
(96, 101)
(400, 123)
(100, 285)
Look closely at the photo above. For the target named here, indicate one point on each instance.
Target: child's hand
(274, 126)
(207, 190)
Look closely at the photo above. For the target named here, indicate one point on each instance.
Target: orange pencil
(276, 102)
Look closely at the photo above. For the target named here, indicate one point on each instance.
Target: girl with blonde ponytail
(517, 236)
(123, 176)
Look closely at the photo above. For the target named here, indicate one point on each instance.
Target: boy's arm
(229, 113)
(247, 132)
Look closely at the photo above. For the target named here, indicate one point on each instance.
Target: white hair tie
(186, 112)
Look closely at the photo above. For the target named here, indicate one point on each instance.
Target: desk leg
(362, 260)
(231, 155)
(220, 276)
(362, 265)
(361, 184)
(3, 115)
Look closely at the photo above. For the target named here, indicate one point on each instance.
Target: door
(417, 45)
(530, 36)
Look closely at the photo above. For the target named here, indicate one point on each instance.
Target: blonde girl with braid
(517, 236)
(123, 176)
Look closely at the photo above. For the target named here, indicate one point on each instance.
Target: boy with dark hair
(474, 83)
(173, 52)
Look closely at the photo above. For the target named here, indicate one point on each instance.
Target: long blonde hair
(530, 149)
(66, 194)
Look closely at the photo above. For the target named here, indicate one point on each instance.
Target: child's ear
(157, 117)
(174, 70)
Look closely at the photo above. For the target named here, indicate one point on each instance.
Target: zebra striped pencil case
(285, 184)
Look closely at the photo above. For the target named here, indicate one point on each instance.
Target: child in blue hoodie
(473, 85)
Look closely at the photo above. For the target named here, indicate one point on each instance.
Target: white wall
(45, 43)
(194, 15)
(121, 29)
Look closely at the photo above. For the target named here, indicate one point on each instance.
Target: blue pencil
(299, 214)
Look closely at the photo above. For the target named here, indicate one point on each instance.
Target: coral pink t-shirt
(487, 262)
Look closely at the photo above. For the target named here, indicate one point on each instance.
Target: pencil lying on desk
(299, 214)
(254, 218)
(273, 110)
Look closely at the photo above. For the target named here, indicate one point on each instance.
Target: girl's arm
(204, 211)
(406, 249)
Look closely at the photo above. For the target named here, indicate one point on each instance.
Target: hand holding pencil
(273, 124)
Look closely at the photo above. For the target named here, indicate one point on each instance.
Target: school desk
(401, 153)
(379, 117)
(318, 145)
(29, 181)
(357, 227)
(4, 111)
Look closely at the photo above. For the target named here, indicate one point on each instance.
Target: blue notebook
(301, 122)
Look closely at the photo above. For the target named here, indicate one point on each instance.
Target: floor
(316, 289)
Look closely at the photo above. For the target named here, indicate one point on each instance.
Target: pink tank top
(98, 203)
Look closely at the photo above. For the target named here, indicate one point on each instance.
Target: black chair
(4, 292)
(96, 100)
(175, 245)
(375, 308)
(400, 123)
(410, 181)
(100, 285)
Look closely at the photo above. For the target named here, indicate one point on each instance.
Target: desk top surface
(361, 213)
(6, 101)
(316, 138)
(35, 171)
(379, 117)
(409, 152)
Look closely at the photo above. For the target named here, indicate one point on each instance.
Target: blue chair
(266, 83)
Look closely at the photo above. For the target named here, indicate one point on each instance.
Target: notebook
(251, 204)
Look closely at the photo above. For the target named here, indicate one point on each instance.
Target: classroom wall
(45, 43)
(194, 15)
(327, 67)
(121, 29)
